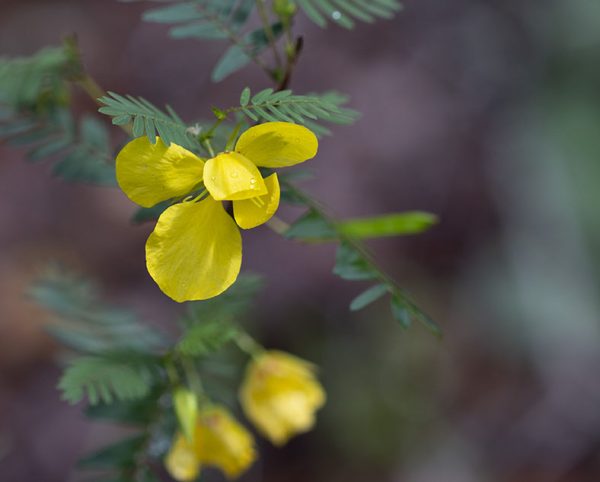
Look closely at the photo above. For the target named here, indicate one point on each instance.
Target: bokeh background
(485, 112)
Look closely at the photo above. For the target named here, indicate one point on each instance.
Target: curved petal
(277, 144)
(195, 251)
(150, 173)
(230, 176)
(255, 211)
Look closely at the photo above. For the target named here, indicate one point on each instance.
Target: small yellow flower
(224, 443)
(219, 441)
(181, 461)
(195, 251)
(280, 395)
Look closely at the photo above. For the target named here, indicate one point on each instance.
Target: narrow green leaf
(245, 97)
(369, 296)
(400, 312)
(396, 224)
(311, 227)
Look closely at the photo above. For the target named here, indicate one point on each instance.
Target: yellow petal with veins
(195, 251)
(277, 144)
(230, 176)
(255, 211)
(150, 173)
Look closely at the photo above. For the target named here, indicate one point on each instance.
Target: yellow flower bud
(182, 462)
(280, 395)
(221, 441)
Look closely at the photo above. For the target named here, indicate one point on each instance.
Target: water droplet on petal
(234, 174)
(213, 178)
(336, 15)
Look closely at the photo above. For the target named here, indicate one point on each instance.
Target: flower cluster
(195, 250)
(279, 395)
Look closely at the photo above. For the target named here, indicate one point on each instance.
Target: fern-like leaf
(147, 119)
(81, 151)
(83, 322)
(35, 83)
(345, 12)
(106, 378)
(204, 19)
(269, 106)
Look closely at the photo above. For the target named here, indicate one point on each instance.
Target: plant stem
(264, 17)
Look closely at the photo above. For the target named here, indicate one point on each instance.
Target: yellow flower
(280, 395)
(223, 443)
(181, 460)
(195, 251)
(219, 441)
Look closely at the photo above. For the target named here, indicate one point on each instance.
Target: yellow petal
(181, 461)
(150, 173)
(277, 144)
(231, 176)
(221, 441)
(255, 211)
(195, 251)
(280, 395)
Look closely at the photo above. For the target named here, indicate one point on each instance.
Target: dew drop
(336, 15)
(234, 174)
(252, 181)
(213, 178)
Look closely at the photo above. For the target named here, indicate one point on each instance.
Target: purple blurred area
(484, 112)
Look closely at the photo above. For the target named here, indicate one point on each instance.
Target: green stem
(248, 344)
(264, 17)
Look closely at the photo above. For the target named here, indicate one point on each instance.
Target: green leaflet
(311, 227)
(411, 222)
(239, 55)
(345, 12)
(369, 296)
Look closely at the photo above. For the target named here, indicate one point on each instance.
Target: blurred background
(485, 112)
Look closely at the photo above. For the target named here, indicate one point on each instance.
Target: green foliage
(217, 20)
(33, 98)
(205, 338)
(36, 83)
(369, 296)
(147, 119)
(81, 151)
(311, 227)
(231, 306)
(121, 376)
(203, 19)
(268, 105)
(243, 51)
(352, 260)
(84, 323)
(412, 222)
(342, 12)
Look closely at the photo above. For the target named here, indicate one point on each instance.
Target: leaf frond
(269, 106)
(147, 119)
(346, 12)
